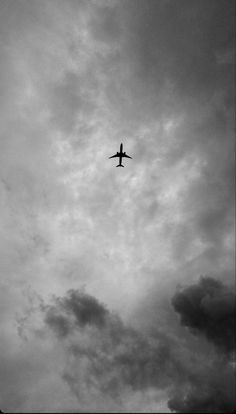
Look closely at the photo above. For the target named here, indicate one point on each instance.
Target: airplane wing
(127, 156)
(113, 156)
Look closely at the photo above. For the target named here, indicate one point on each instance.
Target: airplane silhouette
(120, 154)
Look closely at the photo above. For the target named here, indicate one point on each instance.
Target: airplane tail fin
(120, 165)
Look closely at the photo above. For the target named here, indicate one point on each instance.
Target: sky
(117, 284)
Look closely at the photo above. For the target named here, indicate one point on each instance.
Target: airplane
(120, 154)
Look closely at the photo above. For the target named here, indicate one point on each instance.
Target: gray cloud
(107, 358)
(85, 309)
(76, 79)
(208, 308)
(211, 392)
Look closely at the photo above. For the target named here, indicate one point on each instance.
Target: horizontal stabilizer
(120, 165)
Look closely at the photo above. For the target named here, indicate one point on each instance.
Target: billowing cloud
(208, 308)
(213, 391)
(107, 357)
(85, 309)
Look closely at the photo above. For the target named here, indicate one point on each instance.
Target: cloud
(85, 309)
(109, 366)
(76, 79)
(208, 308)
(212, 392)
(106, 358)
(208, 388)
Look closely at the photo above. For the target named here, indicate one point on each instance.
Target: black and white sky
(117, 284)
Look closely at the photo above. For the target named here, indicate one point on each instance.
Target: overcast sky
(99, 265)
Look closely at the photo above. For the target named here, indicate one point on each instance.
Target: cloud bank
(76, 79)
(108, 359)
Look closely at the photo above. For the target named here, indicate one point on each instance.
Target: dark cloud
(208, 308)
(211, 392)
(107, 357)
(76, 309)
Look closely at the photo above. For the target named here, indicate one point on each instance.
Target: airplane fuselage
(121, 154)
